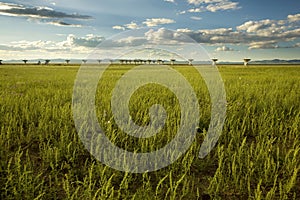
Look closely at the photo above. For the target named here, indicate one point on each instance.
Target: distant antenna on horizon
(246, 61)
(172, 61)
(214, 61)
(47, 62)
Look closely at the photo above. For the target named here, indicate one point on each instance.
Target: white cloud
(261, 34)
(158, 21)
(263, 45)
(132, 25)
(148, 23)
(198, 2)
(290, 35)
(24, 46)
(61, 23)
(196, 18)
(72, 46)
(225, 5)
(218, 31)
(9, 6)
(211, 6)
(293, 18)
(196, 10)
(281, 30)
(54, 22)
(224, 48)
(284, 30)
(40, 14)
(165, 36)
(20, 10)
(263, 27)
(170, 1)
(119, 28)
(89, 40)
(184, 30)
(159, 35)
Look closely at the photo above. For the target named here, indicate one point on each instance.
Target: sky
(229, 30)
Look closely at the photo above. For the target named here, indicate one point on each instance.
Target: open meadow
(256, 157)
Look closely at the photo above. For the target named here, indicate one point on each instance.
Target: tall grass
(257, 156)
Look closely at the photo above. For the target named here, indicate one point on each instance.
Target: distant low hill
(266, 62)
(277, 61)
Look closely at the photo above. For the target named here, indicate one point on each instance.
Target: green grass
(257, 156)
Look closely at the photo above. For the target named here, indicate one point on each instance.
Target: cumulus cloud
(71, 45)
(129, 41)
(38, 12)
(263, 34)
(294, 18)
(165, 36)
(297, 45)
(87, 41)
(224, 5)
(196, 10)
(158, 21)
(148, 23)
(44, 14)
(256, 34)
(198, 2)
(263, 45)
(38, 49)
(24, 46)
(132, 25)
(211, 6)
(119, 28)
(224, 48)
(18, 47)
(92, 41)
(264, 27)
(272, 30)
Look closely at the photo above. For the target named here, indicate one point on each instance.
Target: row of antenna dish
(137, 61)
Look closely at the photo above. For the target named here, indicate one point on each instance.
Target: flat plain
(257, 156)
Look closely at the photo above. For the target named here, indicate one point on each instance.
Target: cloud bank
(211, 6)
(40, 14)
(262, 34)
(152, 22)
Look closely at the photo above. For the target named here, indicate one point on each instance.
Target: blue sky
(228, 29)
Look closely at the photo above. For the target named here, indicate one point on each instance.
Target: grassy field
(257, 156)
